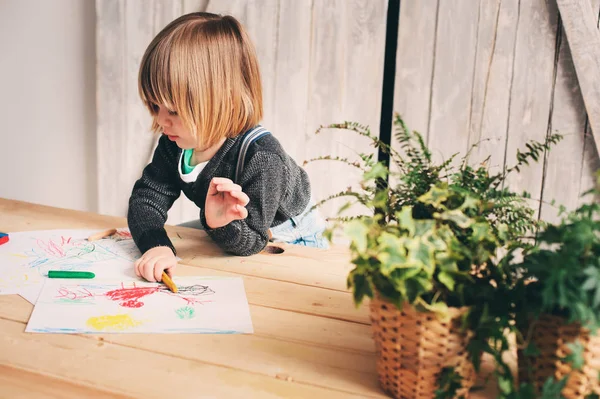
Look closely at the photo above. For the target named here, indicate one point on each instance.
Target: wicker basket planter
(550, 336)
(413, 347)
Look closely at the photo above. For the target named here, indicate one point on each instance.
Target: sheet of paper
(30, 294)
(27, 257)
(203, 305)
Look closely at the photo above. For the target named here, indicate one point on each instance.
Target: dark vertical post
(389, 77)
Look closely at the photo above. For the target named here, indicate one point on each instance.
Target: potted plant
(425, 272)
(425, 254)
(558, 304)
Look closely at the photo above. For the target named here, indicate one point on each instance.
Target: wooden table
(309, 342)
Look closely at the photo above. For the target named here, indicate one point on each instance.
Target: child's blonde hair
(204, 67)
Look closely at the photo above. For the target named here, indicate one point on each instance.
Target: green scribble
(187, 312)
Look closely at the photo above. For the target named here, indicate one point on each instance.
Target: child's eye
(173, 113)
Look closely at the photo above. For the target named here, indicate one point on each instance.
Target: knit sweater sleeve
(152, 197)
(263, 180)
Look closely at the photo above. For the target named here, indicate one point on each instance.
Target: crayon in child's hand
(168, 282)
(102, 234)
(3, 238)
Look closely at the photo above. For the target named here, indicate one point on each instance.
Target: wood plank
(291, 76)
(130, 371)
(294, 265)
(591, 159)
(452, 85)
(110, 29)
(262, 23)
(290, 326)
(581, 27)
(328, 366)
(16, 383)
(531, 90)
(293, 297)
(194, 5)
(492, 81)
(414, 63)
(339, 28)
(563, 173)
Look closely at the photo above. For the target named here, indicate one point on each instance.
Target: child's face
(173, 127)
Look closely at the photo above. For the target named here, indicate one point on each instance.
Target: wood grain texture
(492, 81)
(533, 82)
(414, 62)
(302, 347)
(291, 92)
(452, 85)
(591, 159)
(126, 370)
(110, 29)
(581, 27)
(334, 366)
(344, 85)
(564, 162)
(18, 383)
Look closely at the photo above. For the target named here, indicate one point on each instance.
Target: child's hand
(151, 265)
(225, 202)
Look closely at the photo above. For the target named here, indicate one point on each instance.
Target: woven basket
(550, 336)
(413, 347)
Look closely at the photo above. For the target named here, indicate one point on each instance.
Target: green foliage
(565, 269)
(417, 173)
(431, 237)
(428, 255)
(449, 382)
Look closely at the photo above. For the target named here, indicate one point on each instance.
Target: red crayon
(3, 238)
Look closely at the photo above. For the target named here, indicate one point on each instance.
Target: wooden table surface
(310, 341)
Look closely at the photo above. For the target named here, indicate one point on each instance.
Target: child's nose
(163, 118)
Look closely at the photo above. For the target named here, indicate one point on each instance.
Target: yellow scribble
(19, 255)
(118, 322)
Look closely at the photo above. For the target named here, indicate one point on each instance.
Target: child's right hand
(156, 260)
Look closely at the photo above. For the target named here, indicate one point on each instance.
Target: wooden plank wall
(124, 28)
(497, 72)
(468, 70)
(321, 62)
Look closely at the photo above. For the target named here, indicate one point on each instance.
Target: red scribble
(192, 301)
(66, 240)
(131, 296)
(51, 248)
(76, 294)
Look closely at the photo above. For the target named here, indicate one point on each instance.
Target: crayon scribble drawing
(202, 305)
(27, 257)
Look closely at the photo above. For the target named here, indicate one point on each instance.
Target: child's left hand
(225, 202)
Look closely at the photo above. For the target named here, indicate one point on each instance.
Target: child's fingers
(228, 187)
(160, 266)
(240, 212)
(241, 196)
(147, 270)
(221, 180)
(212, 187)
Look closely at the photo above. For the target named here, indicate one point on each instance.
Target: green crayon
(69, 274)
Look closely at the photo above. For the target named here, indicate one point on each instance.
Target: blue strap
(249, 138)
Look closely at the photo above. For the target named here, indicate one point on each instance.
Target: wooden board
(492, 82)
(581, 27)
(452, 86)
(414, 62)
(344, 84)
(563, 173)
(272, 355)
(85, 360)
(591, 159)
(531, 90)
